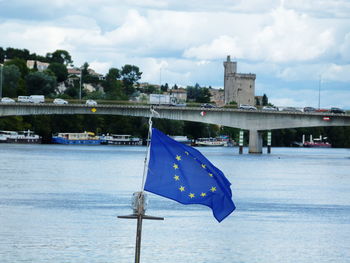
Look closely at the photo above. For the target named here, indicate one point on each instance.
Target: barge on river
(120, 139)
(87, 138)
(19, 137)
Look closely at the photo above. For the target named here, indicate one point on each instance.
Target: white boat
(210, 142)
(19, 137)
(120, 139)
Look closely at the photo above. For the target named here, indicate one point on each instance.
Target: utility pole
(1, 76)
(160, 84)
(319, 92)
(81, 78)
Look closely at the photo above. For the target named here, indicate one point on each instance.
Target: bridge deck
(244, 119)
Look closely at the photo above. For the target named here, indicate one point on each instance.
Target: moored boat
(317, 144)
(120, 139)
(320, 142)
(88, 138)
(210, 142)
(19, 137)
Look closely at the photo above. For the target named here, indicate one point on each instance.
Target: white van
(36, 98)
(23, 99)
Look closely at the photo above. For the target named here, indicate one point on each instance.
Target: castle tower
(238, 87)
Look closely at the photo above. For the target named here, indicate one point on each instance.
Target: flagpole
(149, 136)
(139, 204)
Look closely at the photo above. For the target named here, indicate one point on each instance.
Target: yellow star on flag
(203, 165)
(187, 153)
(182, 188)
(191, 195)
(178, 157)
(175, 166)
(211, 175)
(213, 189)
(177, 178)
(203, 194)
(93, 110)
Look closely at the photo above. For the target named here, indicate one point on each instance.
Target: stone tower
(238, 87)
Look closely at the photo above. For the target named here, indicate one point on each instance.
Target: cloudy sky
(295, 47)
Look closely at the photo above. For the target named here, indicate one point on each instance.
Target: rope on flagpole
(149, 136)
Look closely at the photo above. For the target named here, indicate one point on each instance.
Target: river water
(59, 204)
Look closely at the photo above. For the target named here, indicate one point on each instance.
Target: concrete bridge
(254, 121)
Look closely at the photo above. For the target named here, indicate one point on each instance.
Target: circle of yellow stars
(182, 188)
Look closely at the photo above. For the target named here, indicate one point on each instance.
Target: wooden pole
(138, 239)
(139, 214)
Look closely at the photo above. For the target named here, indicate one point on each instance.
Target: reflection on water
(60, 204)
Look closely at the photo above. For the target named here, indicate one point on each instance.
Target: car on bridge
(7, 100)
(208, 105)
(24, 99)
(36, 98)
(337, 110)
(270, 108)
(60, 101)
(91, 103)
(309, 109)
(246, 107)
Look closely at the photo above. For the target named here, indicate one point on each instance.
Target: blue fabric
(182, 173)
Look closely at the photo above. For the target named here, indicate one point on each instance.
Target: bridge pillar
(255, 141)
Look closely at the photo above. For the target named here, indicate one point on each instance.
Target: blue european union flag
(182, 173)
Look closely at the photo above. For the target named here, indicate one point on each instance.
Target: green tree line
(18, 79)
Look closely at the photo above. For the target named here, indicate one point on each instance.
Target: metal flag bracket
(139, 201)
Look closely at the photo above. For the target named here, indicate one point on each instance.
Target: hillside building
(180, 94)
(41, 66)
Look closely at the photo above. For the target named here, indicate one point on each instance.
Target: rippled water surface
(59, 204)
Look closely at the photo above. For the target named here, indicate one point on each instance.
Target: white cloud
(218, 48)
(291, 37)
(329, 72)
(321, 8)
(340, 73)
(100, 67)
(344, 49)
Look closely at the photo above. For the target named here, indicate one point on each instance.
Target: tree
(95, 95)
(265, 100)
(40, 83)
(150, 89)
(21, 65)
(112, 85)
(59, 70)
(130, 74)
(204, 96)
(164, 88)
(60, 56)
(257, 102)
(11, 79)
(198, 94)
(12, 53)
(2, 55)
